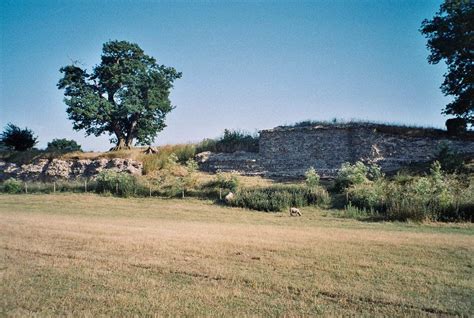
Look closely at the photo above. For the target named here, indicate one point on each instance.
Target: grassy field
(89, 255)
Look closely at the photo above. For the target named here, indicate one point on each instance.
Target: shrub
(12, 186)
(450, 160)
(279, 198)
(118, 183)
(231, 141)
(207, 145)
(228, 181)
(17, 138)
(351, 174)
(368, 195)
(312, 178)
(63, 145)
(436, 196)
(456, 126)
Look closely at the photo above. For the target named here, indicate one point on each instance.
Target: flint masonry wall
(291, 151)
(56, 169)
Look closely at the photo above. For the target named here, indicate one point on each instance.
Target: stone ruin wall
(290, 152)
(57, 169)
(284, 152)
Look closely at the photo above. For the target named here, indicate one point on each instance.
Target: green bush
(368, 195)
(231, 141)
(63, 145)
(17, 138)
(354, 174)
(207, 145)
(228, 181)
(118, 183)
(351, 174)
(456, 126)
(279, 198)
(12, 186)
(312, 177)
(436, 196)
(450, 160)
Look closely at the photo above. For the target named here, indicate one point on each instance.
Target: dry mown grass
(91, 255)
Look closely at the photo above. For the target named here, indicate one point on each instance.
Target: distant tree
(450, 37)
(63, 145)
(126, 95)
(17, 138)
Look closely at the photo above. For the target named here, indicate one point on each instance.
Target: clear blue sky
(249, 65)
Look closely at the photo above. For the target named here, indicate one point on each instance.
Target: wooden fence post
(85, 185)
(26, 188)
(54, 186)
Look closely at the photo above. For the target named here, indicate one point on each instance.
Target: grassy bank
(89, 255)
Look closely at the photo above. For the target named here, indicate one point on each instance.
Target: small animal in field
(229, 197)
(295, 212)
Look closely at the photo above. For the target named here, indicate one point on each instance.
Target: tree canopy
(17, 138)
(126, 95)
(63, 145)
(450, 37)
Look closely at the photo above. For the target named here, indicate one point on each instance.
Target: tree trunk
(124, 140)
(122, 144)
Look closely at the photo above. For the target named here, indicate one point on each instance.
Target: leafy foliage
(358, 173)
(279, 198)
(450, 160)
(63, 145)
(231, 141)
(17, 138)
(127, 95)
(12, 186)
(456, 126)
(436, 196)
(312, 178)
(450, 38)
(351, 174)
(228, 181)
(118, 183)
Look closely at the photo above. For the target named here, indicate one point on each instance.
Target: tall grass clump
(436, 196)
(12, 186)
(117, 183)
(157, 161)
(186, 181)
(77, 186)
(279, 197)
(219, 186)
(353, 212)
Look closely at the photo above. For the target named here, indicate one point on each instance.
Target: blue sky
(250, 65)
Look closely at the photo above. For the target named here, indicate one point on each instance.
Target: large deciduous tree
(126, 95)
(450, 37)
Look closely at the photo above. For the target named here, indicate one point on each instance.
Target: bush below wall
(280, 197)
